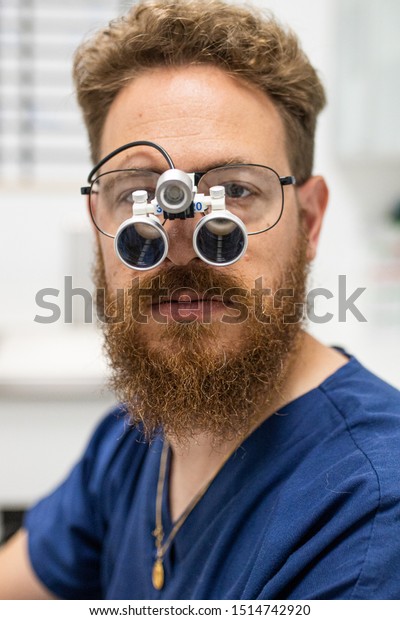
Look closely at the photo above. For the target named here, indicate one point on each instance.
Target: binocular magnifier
(219, 237)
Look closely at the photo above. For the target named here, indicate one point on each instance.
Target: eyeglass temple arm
(287, 180)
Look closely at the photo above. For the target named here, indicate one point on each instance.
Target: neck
(192, 466)
(199, 459)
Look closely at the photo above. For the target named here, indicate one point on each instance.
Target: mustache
(172, 284)
(196, 281)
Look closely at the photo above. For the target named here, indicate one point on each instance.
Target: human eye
(124, 196)
(119, 188)
(240, 183)
(237, 191)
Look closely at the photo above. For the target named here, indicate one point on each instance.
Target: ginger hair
(247, 44)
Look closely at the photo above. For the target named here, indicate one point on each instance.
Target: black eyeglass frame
(87, 189)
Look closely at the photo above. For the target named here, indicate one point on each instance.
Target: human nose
(180, 240)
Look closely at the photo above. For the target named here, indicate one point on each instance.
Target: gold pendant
(158, 574)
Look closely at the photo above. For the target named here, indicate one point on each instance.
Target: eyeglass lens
(252, 192)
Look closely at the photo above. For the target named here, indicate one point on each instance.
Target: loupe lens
(220, 240)
(141, 244)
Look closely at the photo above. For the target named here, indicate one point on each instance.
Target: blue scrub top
(307, 508)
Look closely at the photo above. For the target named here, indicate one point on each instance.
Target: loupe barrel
(141, 243)
(220, 239)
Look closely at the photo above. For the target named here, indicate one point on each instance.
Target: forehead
(200, 115)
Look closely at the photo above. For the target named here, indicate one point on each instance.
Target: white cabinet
(51, 398)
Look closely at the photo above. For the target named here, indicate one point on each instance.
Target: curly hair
(247, 44)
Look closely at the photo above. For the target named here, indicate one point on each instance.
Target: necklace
(162, 546)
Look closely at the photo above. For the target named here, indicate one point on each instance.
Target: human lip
(188, 306)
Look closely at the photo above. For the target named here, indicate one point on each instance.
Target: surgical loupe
(219, 238)
(132, 203)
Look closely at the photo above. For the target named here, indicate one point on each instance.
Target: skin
(214, 119)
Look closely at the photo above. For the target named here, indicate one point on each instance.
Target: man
(247, 460)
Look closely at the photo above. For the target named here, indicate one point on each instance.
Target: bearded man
(246, 460)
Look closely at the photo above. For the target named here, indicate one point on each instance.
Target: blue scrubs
(307, 508)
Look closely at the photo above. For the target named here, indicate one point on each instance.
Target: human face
(197, 377)
(203, 117)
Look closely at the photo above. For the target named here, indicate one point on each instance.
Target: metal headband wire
(127, 146)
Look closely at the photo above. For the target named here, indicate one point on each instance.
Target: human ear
(313, 199)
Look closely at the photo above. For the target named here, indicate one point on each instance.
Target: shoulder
(67, 529)
(353, 383)
(368, 406)
(338, 451)
(368, 410)
(115, 447)
(112, 435)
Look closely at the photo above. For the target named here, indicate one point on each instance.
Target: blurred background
(52, 374)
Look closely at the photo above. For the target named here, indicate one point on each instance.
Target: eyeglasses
(253, 192)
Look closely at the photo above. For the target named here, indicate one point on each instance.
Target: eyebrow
(105, 181)
(127, 163)
(232, 161)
